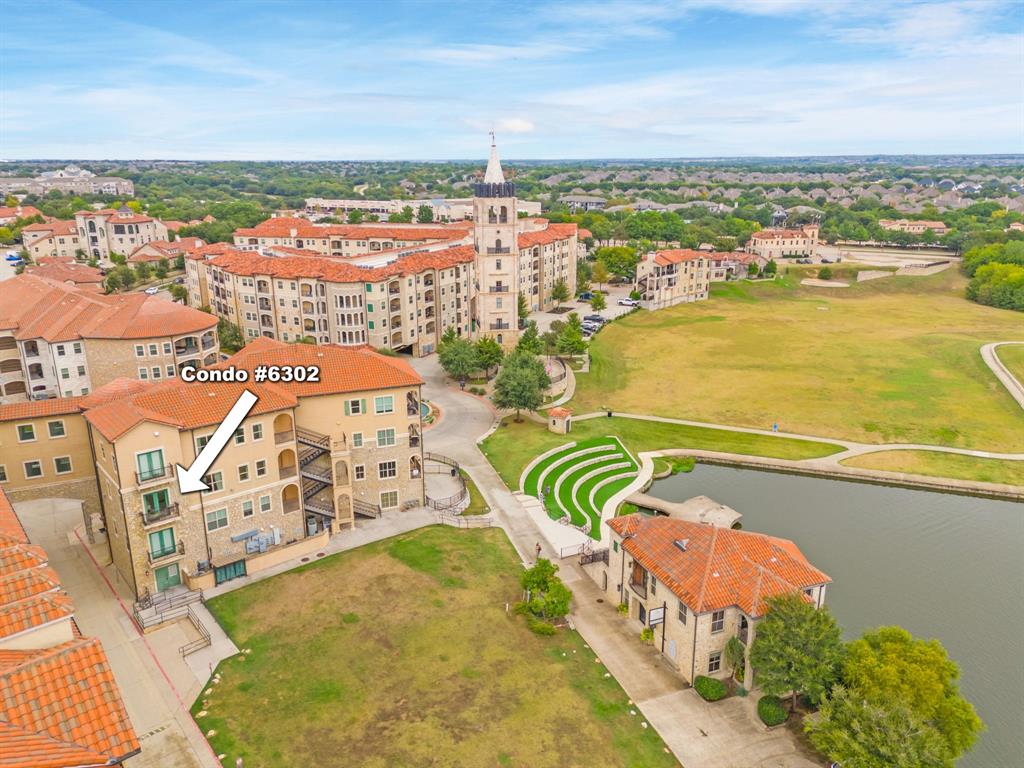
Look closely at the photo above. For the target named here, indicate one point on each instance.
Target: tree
(449, 335)
(489, 353)
(570, 339)
(529, 340)
(161, 268)
(858, 734)
(890, 666)
(118, 258)
(230, 335)
(404, 216)
(179, 261)
(559, 292)
(459, 359)
(600, 273)
(522, 308)
(597, 302)
(797, 649)
(771, 267)
(752, 269)
(521, 383)
(179, 293)
(143, 270)
(734, 656)
(355, 216)
(825, 273)
(548, 598)
(425, 215)
(620, 260)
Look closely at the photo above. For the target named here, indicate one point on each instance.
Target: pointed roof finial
(494, 174)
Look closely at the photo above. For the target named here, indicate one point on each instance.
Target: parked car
(585, 296)
(591, 327)
(629, 303)
(825, 261)
(13, 257)
(594, 319)
(179, 281)
(152, 290)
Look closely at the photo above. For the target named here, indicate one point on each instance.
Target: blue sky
(410, 80)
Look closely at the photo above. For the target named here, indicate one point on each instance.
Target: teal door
(151, 465)
(229, 571)
(167, 577)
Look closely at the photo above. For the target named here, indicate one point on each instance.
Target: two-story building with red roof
(669, 277)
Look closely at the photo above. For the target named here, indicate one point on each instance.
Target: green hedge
(771, 710)
(709, 688)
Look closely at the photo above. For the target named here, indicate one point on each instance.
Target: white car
(629, 303)
(152, 290)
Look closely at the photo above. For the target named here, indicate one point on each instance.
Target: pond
(943, 566)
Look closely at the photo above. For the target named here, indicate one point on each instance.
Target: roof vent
(681, 543)
(715, 574)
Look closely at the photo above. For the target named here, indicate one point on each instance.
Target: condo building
(71, 179)
(670, 277)
(53, 239)
(63, 340)
(441, 209)
(777, 243)
(116, 231)
(937, 228)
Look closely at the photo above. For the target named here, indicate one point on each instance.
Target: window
(3, 473)
(156, 372)
(354, 407)
(150, 464)
(714, 662)
(386, 469)
(243, 472)
(60, 350)
(257, 431)
(654, 585)
(161, 543)
(216, 519)
(153, 350)
(65, 373)
(239, 435)
(384, 404)
(360, 472)
(261, 467)
(246, 509)
(389, 499)
(81, 370)
(62, 464)
(170, 371)
(26, 433)
(385, 437)
(140, 351)
(201, 442)
(167, 347)
(33, 469)
(615, 546)
(264, 503)
(56, 428)
(78, 347)
(357, 439)
(216, 482)
(681, 613)
(717, 621)
(143, 373)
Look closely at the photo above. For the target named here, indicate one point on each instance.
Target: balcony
(500, 326)
(287, 471)
(166, 554)
(265, 304)
(498, 289)
(283, 437)
(159, 516)
(498, 251)
(154, 474)
(639, 587)
(209, 341)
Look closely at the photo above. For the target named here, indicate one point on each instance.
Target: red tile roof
(39, 307)
(549, 234)
(678, 255)
(34, 611)
(32, 409)
(19, 212)
(67, 272)
(116, 217)
(719, 567)
(54, 227)
(282, 227)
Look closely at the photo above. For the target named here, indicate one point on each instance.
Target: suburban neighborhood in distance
(422, 385)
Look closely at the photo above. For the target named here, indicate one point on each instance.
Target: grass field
(477, 503)
(401, 653)
(1013, 358)
(894, 360)
(942, 465)
(512, 446)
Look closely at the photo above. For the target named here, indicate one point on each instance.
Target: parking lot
(612, 295)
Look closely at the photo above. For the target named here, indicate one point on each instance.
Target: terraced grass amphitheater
(576, 480)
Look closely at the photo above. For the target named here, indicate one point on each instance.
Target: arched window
(504, 215)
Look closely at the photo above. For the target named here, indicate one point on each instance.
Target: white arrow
(191, 480)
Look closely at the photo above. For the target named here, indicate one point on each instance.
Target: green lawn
(512, 446)
(1013, 358)
(893, 360)
(477, 503)
(401, 653)
(940, 464)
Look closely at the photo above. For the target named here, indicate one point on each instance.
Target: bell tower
(495, 233)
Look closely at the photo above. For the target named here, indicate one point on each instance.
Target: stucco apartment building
(442, 209)
(63, 340)
(59, 703)
(10, 214)
(116, 231)
(397, 287)
(937, 228)
(711, 583)
(56, 238)
(69, 179)
(670, 277)
(776, 243)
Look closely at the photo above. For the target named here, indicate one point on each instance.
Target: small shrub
(771, 710)
(825, 273)
(709, 688)
(623, 609)
(540, 627)
(647, 635)
(682, 464)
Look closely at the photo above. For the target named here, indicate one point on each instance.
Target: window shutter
(362, 406)
(348, 410)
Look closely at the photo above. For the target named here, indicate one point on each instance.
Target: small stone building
(560, 420)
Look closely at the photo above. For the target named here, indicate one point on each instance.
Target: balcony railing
(500, 326)
(287, 471)
(292, 505)
(208, 343)
(639, 587)
(156, 516)
(283, 437)
(498, 289)
(498, 251)
(161, 554)
(149, 475)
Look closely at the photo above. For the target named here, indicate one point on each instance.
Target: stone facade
(666, 278)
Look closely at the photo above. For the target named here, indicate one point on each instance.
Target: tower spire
(494, 174)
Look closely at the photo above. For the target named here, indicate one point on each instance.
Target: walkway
(700, 735)
(1014, 386)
